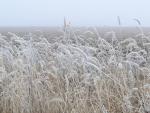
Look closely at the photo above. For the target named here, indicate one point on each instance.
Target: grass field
(75, 70)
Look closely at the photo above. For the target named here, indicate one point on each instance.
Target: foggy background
(78, 12)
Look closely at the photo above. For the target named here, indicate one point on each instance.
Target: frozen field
(75, 70)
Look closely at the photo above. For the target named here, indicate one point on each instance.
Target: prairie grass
(74, 73)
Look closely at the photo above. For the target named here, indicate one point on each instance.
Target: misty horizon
(79, 13)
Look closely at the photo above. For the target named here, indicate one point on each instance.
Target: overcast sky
(79, 12)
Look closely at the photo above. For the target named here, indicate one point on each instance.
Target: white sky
(79, 12)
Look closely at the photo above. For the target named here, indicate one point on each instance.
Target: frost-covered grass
(74, 73)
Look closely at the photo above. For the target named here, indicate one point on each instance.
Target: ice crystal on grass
(74, 73)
